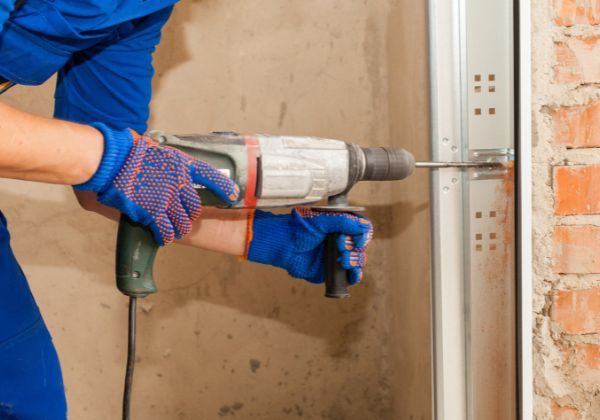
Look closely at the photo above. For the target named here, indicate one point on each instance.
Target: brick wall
(566, 63)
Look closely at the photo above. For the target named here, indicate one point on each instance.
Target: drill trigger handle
(136, 251)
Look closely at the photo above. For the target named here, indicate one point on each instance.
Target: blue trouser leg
(31, 386)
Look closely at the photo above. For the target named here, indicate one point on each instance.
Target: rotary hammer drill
(271, 171)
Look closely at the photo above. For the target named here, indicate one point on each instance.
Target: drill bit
(472, 164)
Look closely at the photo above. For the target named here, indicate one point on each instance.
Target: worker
(102, 51)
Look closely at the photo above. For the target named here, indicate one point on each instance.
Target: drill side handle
(336, 278)
(136, 251)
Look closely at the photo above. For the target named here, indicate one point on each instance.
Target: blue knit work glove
(296, 242)
(154, 185)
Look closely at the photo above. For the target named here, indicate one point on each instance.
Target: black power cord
(130, 358)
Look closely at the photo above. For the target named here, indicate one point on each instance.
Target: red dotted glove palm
(154, 185)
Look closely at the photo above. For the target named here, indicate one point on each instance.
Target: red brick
(564, 412)
(576, 249)
(587, 356)
(582, 361)
(577, 189)
(577, 311)
(578, 60)
(578, 126)
(575, 12)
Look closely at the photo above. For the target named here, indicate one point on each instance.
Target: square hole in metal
(492, 214)
(491, 88)
(477, 89)
(478, 236)
(477, 111)
(491, 77)
(492, 247)
(478, 77)
(492, 236)
(492, 111)
(478, 247)
(478, 215)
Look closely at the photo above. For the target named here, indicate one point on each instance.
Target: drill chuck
(382, 164)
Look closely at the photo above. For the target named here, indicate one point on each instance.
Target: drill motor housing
(283, 171)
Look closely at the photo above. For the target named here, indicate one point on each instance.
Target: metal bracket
(503, 155)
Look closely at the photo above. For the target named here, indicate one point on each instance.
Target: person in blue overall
(102, 51)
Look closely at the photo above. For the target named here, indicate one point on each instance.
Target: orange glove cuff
(249, 231)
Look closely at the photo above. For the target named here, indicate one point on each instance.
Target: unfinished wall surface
(566, 157)
(225, 338)
(409, 213)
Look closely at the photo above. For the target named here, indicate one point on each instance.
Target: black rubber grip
(336, 278)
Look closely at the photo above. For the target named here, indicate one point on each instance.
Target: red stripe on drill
(253, 152)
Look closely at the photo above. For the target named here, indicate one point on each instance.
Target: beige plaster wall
(228, 338)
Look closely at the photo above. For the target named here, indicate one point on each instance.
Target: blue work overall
(102, 51)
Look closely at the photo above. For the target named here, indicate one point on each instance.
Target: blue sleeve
(111, 82)
(37, 40)
(6, 6)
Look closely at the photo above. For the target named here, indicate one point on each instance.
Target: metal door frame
(524, 210)
(477, 59)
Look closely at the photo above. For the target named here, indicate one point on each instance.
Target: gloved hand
(154, 185)
(296, 242)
